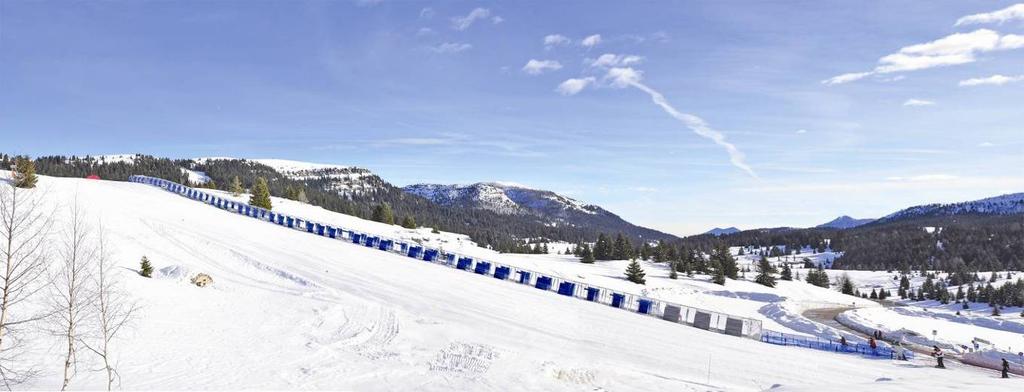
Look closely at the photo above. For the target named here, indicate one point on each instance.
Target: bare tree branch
(24, 229)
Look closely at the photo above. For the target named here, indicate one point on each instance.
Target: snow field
(289, 310)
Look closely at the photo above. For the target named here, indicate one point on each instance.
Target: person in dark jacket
(937, 353)
(1006, 368)
(872, 343)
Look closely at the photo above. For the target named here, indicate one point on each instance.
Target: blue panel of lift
(430, 255)
(280, 219)
(356, 238)
(618, 299)
(332, 232)
(415, 252)
(524, 277)
(291, 222)
(309, 227)
(502, 272)
(371, 241)
(567, 288)
(464, 263)
(592, 293)
(319, 229)
(645, 306)
(385, 244)
(450, 258)
(482, 267)
(543, 283)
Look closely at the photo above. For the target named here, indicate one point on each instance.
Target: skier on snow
(937, 353)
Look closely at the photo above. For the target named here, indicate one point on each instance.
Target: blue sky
(829, 108)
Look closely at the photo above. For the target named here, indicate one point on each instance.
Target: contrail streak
(696, 124)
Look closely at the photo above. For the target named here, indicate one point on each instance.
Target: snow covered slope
(289, 310)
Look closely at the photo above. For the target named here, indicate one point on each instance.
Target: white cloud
(924, 178)
(1012, 12)
(847, 77)
(552, 40)
(643, 189)
(424, 31)
(918, 102)
(463, 22)
(591, 41)
(497, 19)
(994, 80)
(629, 77)
(368, 3)
(451, 47)
(801, 131)
(986, 144)
(427, 13)
(574, 86)
(614, 60)
(954, 49)
(537, 67)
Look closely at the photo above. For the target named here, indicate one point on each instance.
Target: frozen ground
(289, 310)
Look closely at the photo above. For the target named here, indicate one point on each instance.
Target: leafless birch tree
(24, 229)
(72, 287)
(113, 310)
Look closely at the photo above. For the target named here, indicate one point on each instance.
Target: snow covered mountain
(346, 181)
(845, 222)
(720, 231)
(517, 200)
(501, 198)
(1008, 204)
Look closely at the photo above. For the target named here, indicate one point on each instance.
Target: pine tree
(873, 295)
(672, 273)
(718, 274)
(145, 268)
(726, 262)
(382, 213)
(603, 248)
(634, 273)
(765, 273)
(846, 285)
(622, 249)
(409, 222)
(24, 173)
(261, 194)
(291, 194)
(301, 196)
(818, 277)
(787, 272)
(236, 187)
(586, 255)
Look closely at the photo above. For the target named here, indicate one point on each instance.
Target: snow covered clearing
(290, 310)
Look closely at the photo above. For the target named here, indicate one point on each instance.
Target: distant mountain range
(502, 216)
(845, 222)
(720, 231)
(1008, 204)
(518, 200)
